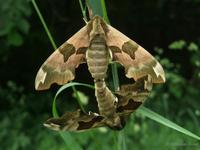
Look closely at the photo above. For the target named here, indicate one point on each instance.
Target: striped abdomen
(97, 57)
(106, 104)
(105, 99)
(97, 60)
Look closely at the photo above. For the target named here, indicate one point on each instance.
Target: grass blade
(44, 24)
(62, 88)
(104, 10)
(83, 10)
(158, 118)
(70, 141)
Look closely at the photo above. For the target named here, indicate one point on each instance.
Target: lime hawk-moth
(130, 97)
(95, 44)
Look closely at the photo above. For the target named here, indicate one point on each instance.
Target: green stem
(116, 140)
(115, 77)
(78, 99)
(105, 15)
(44, 24)
(83, 10)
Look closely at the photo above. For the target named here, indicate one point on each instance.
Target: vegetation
(168, 29)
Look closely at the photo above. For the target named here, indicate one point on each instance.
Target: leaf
(177, 45)
(158, 118)
(71, 84)
(15, 39)
(23, 25)
(5, 26)
(193, 47)
(96, 7)
(83, 98)
(70, 141)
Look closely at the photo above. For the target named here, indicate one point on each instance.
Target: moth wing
(130, 103)
(131, 96)
(136, 60)
(60, 66)
(75, 121)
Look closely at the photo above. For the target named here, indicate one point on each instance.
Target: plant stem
(44, 24)
(78, 98)
(105, 15)
(83, 10)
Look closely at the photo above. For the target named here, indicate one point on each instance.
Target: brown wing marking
(75, 121)
(131, 96)
(136, 60)
(60, 66)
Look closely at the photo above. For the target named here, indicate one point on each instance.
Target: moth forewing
(136, 60)
(60, 66)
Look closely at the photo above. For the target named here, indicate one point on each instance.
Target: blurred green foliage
(171, 28)
(13, 23)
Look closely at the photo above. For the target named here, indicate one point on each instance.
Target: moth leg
(93, 113)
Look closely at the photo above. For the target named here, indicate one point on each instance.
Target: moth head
(116, 123)
(97, 28)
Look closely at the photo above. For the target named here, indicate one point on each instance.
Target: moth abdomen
(97, 57)
(105, 98)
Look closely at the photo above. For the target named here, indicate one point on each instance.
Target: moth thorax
(97, 28)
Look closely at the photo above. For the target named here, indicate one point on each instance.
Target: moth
(95, 44)
(130, 98)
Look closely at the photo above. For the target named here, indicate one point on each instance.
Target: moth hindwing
(75, 121)
(130, 97)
